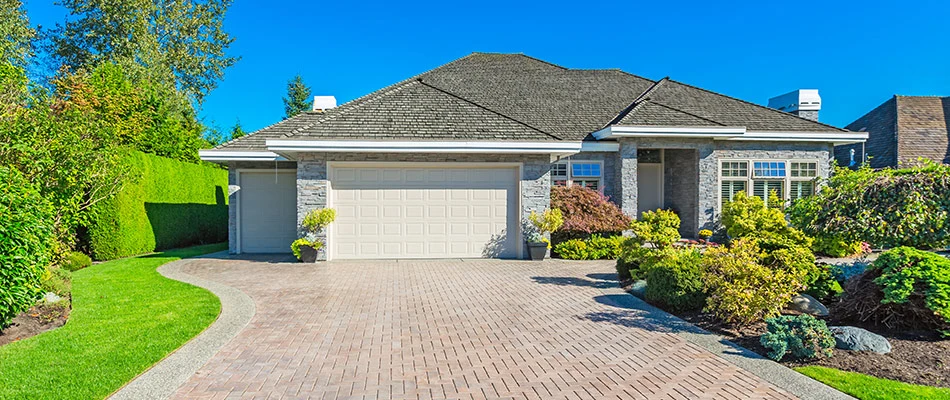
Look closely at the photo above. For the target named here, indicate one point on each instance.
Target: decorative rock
(857, 339)
(805, 304)
(638, 288)
(51, 297)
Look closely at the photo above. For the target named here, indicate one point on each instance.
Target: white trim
(729, 133)
(383, 146)
(519, 240)
(570, 172)
(237, 199)
(224, 155)
(750, 177)
(600, 146)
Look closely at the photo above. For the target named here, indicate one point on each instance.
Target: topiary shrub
(660, 227)
(887, 208)
(903, 288)
(26, 242)
(675, 279)
(586, 212)
(76, 261)
(804, 336)
(741, 289)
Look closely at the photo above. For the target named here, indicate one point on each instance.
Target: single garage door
(424, 212)
(268, 211)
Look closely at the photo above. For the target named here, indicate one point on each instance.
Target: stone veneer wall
(312, 180)
(681, 187)
(233, 188)
(709, 153)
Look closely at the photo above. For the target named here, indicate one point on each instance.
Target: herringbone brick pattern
(452, 329)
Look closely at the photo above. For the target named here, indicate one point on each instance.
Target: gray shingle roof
(516, 97)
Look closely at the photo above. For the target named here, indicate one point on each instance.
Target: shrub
(804, 336)
(660, 227)
(824, 285)
(76, 261)
(887, 208)
(595, 248)
(57, 280)
(747, 216)
(903, 288)
(586, 212)
(318, 219)
(26, 242)
(631, 256)
(164, 204)
(741, 289)
(550, 221)
(675, 280)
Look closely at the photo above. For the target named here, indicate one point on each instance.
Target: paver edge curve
(165, 377)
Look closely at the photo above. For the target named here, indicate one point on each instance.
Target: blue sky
(857, 53)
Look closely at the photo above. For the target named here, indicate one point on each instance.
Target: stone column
(626, 187)
(708, 188)
(312, 188)
(535, 191)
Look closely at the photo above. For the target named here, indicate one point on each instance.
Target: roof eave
(217, 155)
(728, 133)
(554, 148)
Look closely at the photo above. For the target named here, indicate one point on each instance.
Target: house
(449, 163)
(900, 131)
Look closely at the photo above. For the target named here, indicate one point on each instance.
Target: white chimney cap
(797, 100)
(321, 103)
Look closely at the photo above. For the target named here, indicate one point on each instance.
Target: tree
(181, 42)
(237, 131)
(16, 36)
(298, 97)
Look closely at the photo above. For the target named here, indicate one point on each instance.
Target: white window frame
(750, 175)
(570, 173)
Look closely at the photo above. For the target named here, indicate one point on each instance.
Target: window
(584, 173)
(791, 180)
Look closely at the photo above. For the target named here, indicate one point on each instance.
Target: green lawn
(870, 388)
(125, 318)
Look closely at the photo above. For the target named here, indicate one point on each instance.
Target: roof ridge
(541, 61)
(486, 108)
(758, 105)
(685, 112)
(636, 102)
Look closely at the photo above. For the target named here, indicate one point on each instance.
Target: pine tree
(298, 97)
(237, 131)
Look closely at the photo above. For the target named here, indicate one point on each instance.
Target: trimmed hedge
(166, 204)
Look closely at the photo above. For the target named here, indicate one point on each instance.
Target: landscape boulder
(857, 339)
(805, 304)
(638, 288)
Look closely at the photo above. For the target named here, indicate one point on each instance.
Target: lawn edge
(163, 378)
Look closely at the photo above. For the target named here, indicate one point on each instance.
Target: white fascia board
(384, 146)
(828, 137)
(600, 146)
(224, 155)
(669, 131)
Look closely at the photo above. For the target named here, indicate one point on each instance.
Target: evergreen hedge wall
(164, 204)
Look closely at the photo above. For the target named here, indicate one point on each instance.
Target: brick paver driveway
(452, 329)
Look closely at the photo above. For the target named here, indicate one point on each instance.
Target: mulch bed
(921, 358)
(35, 321)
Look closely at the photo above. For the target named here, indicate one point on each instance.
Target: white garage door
(268, 211)
(425, 212)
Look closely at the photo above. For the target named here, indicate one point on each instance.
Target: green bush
(595, 248)
(887, 208)
(631, 256)
(675, 280)
(748, 216)
(906, 272)
(834, 246)
(741, 289)
(58, 280)
(165, 204)
(804, 336)
(76, 261)
(26, 243)
(660, 227)
(824, 284)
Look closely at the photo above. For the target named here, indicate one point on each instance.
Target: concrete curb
(770, 371)
(163, 379)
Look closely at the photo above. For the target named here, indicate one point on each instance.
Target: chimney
(323, 103)
(804, 103)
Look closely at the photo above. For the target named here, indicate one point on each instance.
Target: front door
(649, 186)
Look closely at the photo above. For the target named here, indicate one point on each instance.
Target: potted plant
(307, 248)
(542, 224)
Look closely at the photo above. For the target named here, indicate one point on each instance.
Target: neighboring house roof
(905, 128)
(515, 97)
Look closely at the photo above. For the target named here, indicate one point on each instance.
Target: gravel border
(163, 379)
(777, 374)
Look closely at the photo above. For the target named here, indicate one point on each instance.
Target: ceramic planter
(537, 250)
(308, 254)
